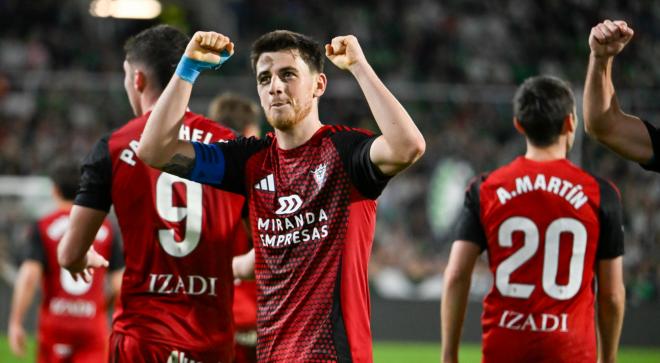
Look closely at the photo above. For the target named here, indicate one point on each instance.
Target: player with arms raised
(625, 134)
(550, 229)
(311, 188)
(177, 289)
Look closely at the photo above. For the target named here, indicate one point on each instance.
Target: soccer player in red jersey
(627, 135)
(176, 295)
(73, 321)
(312, 188)
(550, 229)
(242, 115)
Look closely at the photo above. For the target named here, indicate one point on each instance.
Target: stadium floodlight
(125, 9)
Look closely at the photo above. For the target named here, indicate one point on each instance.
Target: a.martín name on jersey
(301, 227)
(572, 193)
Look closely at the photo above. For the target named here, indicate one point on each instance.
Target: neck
(299, 133)
(555, 151)
(148, 100)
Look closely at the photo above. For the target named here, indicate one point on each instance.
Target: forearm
(610, 321)
(600, 104)
(402, 136)
(454, 303)
(160, 138)
(72, 250)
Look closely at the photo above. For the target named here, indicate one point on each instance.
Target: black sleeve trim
(654, 163)
(468, 226)
(610, 215)
(354, 149)
(96, 178)
(34, 249)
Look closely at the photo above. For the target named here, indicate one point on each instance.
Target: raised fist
(344, 51)
(207, 46)
(608, 38)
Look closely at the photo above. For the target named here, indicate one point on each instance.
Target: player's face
(131, 92)
(287, 88)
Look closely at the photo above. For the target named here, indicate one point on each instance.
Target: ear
(570, 124)
(518, 126)
(320, 84)
(139, 81)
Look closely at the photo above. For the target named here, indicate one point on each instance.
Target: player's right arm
(75, 252)
(29, 277)
(611, 305)
(603, 118)
(457, 279)
(160, 146)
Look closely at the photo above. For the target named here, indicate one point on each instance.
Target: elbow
(147, 155)
(414, 151)
(612, 300)
(455, 277)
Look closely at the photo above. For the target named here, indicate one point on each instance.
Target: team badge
(319, 174)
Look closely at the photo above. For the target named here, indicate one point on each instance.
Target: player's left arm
(611, 294)
(611, 305)
(401, 142)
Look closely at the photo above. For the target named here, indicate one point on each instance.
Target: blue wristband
(188, 68)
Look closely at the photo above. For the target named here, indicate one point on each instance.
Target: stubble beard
(288, 121)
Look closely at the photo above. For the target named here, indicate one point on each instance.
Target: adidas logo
(266, 184)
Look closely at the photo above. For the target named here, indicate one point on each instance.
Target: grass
(399, 352)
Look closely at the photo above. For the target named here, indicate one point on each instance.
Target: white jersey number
(192, 213)
(550, 259)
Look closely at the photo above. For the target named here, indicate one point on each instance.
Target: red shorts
(66, 352)
(127, 349)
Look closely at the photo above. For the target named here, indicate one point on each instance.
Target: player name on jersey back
(572, 193)
(187, 133)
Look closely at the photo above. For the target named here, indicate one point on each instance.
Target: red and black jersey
(545, 225)
(654, 134)
(72, 311)
(178, 241)
(312, 212)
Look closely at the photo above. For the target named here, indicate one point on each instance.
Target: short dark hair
(64, 172)
(541, 105)
(159, 49)
(308, 49)
(234, 111)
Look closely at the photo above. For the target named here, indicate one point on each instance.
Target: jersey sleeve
(468, 226)
(222, 164)
(610, 215)
(96, 178)
(354, 149)
(34, 249)
(116, 260)
(654, 134)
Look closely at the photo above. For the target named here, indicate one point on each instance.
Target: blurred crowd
(61, 88)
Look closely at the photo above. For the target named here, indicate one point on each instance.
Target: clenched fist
(344, 52)
(608, 38)
(207, 46)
